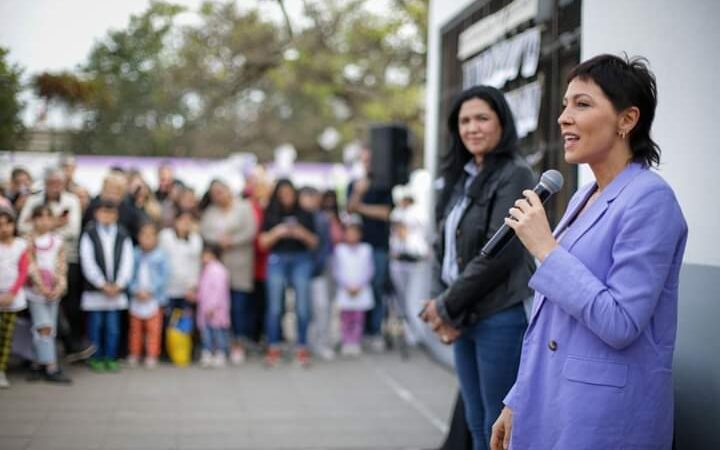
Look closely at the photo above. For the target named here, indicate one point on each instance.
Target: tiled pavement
(375, 402)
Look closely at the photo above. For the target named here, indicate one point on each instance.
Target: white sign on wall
(504, 61)
(495, 26)
(525, 105)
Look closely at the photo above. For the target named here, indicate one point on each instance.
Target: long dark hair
(627, 82)
(274, 208)
(458, 155)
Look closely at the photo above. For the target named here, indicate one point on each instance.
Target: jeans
(373, 325)
(487, 356)
(214, 339)
(410, 283)
(44, 315)
(294, 269)
(242, 314)
(104, 332)
(319, 330)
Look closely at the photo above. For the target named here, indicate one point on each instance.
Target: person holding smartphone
(288, 233)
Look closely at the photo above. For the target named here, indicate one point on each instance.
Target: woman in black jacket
(478, 302)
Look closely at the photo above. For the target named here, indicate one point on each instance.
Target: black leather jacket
(484, 286)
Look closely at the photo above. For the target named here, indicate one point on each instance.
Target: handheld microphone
(550, 183)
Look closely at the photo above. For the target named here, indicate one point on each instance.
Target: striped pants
(7, 328)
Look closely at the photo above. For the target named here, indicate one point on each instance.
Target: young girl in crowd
(182, 246)
(147, 289)
(47, 271)
(213, 308)
(13, 273)
(353, 271)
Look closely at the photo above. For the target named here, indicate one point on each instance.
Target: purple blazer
(596, 365)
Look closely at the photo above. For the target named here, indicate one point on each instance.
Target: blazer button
(552, 345)
(459, 261)
(458, 233)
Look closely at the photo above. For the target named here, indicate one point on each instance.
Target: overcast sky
(58, 34)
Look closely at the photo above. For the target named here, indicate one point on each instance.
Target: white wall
(682, 42)
(441, 12)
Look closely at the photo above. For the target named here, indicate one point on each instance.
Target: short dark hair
(39, 210)
(627, 82)
(8, 213)
(17, 171)
(104, 203)
(212, 248)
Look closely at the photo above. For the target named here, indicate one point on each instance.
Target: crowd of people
(101, 278)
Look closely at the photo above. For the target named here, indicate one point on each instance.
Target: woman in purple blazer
(596, 365)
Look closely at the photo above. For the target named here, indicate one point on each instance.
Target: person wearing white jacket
(353, 271)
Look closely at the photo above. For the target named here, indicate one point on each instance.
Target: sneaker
(57, 377)
(111, 365)
(80, 353)
(272, 357)
(350, 350)
(377, 344)
(219, 360)
(151, 362)
(302, 356)
(4, 383)
(96, 365)
(237, 356)
(36, 374)
(133, 361)
(325, 353)
(205, 359)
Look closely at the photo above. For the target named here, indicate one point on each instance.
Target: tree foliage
(11, 127)
(234, 81)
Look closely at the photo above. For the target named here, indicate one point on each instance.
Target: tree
(11, 126)
(234, 81)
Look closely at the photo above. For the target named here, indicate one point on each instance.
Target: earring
(621, 133)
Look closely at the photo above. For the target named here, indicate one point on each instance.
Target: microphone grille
(552, 180)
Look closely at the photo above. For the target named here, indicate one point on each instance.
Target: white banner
(495, 26)
(525, 105)
(504, 61)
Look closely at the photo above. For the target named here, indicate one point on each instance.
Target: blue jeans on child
(294, 269)
(103, 328)
(487, 356)
(214, 339)
(44, 315)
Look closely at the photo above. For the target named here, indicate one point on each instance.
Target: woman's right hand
(447, 333)
(500, 439)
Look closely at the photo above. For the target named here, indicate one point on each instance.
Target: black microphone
(550, 183)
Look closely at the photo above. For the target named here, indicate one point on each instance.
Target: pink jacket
(213, 297)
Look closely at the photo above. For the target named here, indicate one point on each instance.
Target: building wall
(682, 42)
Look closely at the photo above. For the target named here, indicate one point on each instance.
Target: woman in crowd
(596, 370)
(478, 302)
(229, 223)
(288, 233)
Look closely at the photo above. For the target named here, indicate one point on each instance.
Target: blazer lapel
(590, 217)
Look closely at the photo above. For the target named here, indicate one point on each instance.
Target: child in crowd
(182, 246)
(47, 272)
(213, 308)
(353, 271)
(147, 290)
(13, 273)
(106, 257)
